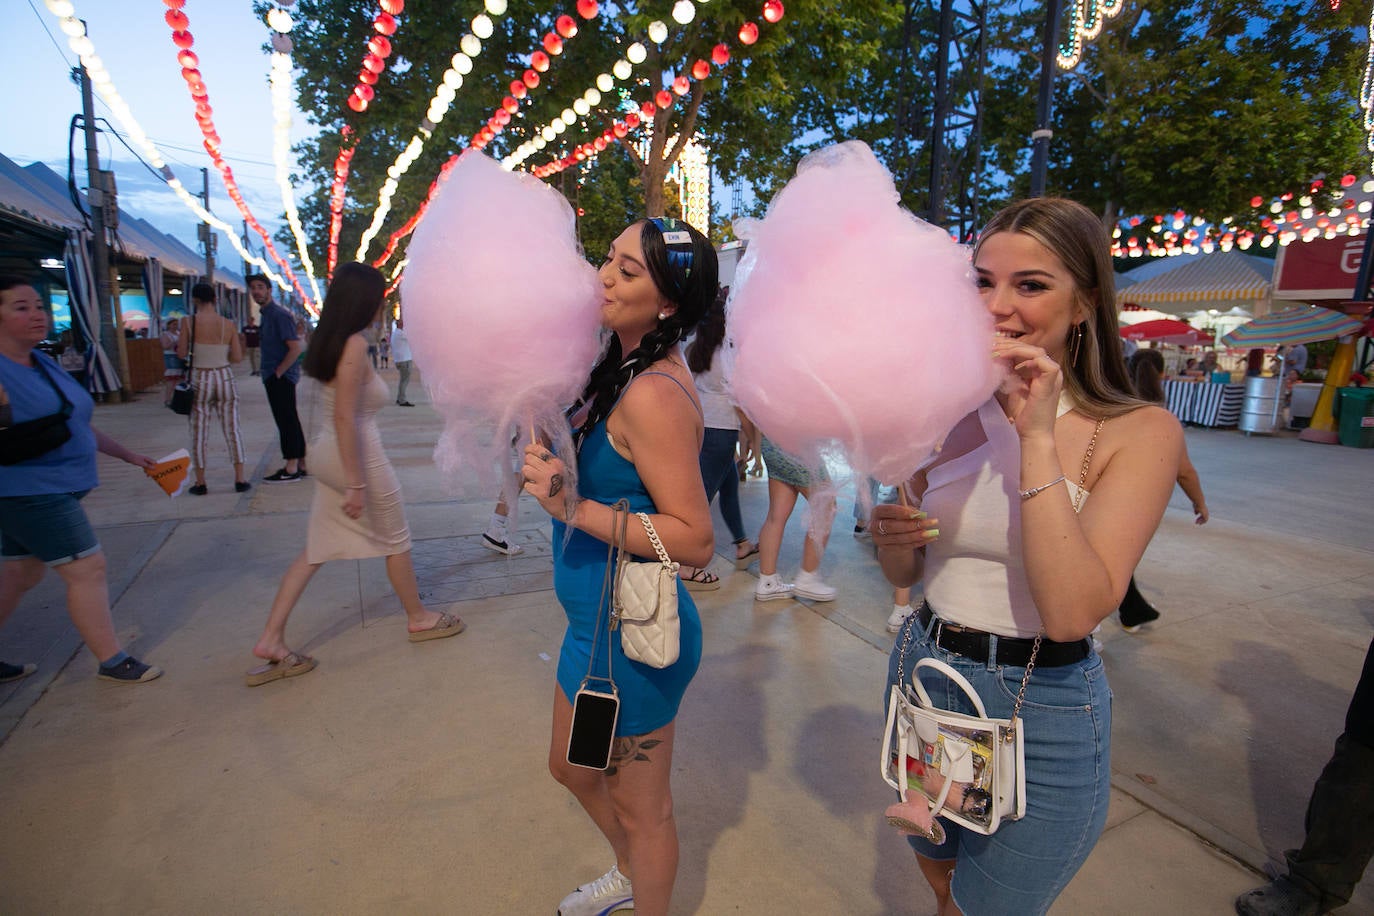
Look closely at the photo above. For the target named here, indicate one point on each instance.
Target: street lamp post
(1044, 109)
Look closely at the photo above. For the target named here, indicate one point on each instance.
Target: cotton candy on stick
(854, 322)
(502, 312)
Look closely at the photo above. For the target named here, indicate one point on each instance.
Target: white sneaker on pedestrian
(772, 588)
(605, 895)
(811, 585)
(900, 612)
(501, 545)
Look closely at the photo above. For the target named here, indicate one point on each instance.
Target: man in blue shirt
(280, 347)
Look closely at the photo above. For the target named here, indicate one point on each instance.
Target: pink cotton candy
(854, 323)
(503, 314)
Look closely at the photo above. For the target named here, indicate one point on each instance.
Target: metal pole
(209, 230)
(111, 337)
(1044, 110)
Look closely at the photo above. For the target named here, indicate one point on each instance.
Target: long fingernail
(932, 533)
(917, 515)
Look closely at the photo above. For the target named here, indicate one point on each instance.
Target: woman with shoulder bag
(47, 465)
(638, 433)
(1049, 493)
(216, 345)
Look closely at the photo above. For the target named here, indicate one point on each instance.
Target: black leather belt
(1013, 651)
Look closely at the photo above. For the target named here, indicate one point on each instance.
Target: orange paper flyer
(171, 472)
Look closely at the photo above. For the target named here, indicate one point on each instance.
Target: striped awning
(1302, 324)
(1226, 276)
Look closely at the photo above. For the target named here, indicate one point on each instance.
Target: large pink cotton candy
(503, 313)
(855, 323)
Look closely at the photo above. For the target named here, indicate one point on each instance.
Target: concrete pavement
(412, 778)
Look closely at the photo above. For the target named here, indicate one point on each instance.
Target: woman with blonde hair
(1049, 494)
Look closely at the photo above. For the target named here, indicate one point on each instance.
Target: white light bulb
(558, 124)
(635, 53)
(453, 79)
(547, 134)
(622, 70)
(72, 27)
(581, 107)
(445, 93)
(605, 82)
(592, 96)
(482, 26)
(684, 11)
(496, 7)
(462, 63)
(540, 143)
(568, 116)
(470, 45)
(658, 31)
(280, 20)
(82, 45)
(60, 8)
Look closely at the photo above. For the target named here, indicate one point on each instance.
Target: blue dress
(649, 697)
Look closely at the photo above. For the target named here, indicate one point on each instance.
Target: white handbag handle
(902, 727)
(953, 675)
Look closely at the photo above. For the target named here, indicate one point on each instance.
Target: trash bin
(1258, 414)
(1355, 417)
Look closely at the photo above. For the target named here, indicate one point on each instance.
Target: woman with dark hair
(1050, 492)
(638, 433)
(1147, 375)
(723, 421)
(42, 524)
(357, 510)
(212, 343)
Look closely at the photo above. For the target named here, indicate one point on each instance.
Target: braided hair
(682, 264)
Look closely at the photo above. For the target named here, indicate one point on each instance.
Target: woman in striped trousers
(216, 345)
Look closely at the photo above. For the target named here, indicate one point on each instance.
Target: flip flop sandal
(292, 664)
(750, 557)
(703, 580)
(447, 625)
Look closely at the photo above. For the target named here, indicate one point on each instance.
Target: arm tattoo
(629, 748)
(555, 484)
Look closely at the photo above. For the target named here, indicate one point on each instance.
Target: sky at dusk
(136, 46)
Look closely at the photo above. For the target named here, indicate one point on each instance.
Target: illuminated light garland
(470, 47)
(772, 12)
(374, 62)
(1284, 223)
(1088, 17)
(282, 106)
(103, 84)
(1367, 89)
(180, 25)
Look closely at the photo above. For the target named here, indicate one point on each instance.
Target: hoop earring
(1075, 343)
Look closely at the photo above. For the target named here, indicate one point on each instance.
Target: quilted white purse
(644, 605)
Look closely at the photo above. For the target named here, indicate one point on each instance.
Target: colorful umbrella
(1167, 330)
(1301, 324)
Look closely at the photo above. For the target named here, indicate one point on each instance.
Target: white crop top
(975, 572)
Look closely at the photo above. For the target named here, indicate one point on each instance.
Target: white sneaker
(900, 612)
(811, 585)
(771, 588)
(601, 897)
(501, 546)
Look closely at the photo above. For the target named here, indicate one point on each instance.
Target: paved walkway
(412, 779)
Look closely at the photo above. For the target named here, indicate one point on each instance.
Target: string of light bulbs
(282, 105)
(180, 24)
(1367, 90)
(461, 64)
(103, 85)
(1086, 25)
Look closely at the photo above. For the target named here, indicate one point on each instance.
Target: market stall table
(1204, 403)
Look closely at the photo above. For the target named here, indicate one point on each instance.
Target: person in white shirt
(400, 352)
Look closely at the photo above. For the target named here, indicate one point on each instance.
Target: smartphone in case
(593, 728)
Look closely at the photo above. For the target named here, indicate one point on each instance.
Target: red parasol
(1167, 330)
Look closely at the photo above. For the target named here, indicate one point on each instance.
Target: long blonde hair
(1094, 368)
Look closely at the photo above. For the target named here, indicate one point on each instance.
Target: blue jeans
(1067, 717)
(720, 475)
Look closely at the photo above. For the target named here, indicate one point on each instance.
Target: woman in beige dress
(357, 510)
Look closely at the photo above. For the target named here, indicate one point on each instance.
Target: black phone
(593, 728)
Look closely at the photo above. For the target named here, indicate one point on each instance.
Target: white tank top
(975, 572)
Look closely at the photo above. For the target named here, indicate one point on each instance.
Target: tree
(751, 111)
(1196, 106)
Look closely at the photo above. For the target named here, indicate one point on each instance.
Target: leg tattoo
(629, 748)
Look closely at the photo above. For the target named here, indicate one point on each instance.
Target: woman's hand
(1200, 513)
(1040, 379)
(902, 527)
(354, 502)
(545, 480)
(140, 461)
